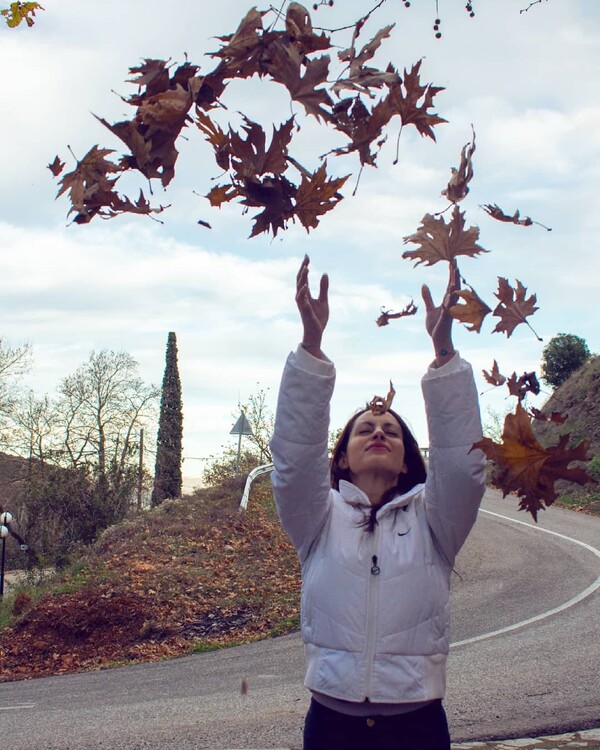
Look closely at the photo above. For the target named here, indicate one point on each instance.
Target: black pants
(424, 729)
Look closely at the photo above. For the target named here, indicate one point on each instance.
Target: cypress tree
(167, 472)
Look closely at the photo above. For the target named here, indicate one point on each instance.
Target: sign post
(240, 428)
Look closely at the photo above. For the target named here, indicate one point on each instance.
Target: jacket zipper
(372, 612)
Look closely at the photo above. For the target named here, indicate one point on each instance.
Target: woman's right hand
(314, 312)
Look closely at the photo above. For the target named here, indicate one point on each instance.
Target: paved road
(504, 681)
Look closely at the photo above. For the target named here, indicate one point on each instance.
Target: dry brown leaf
(56, 167)
(301, 76)
(379, 405)
(556, 417)
(317, 195)
(525, 467)
(473, 312)
(387, 315)
(497, 213)
(521, 386)
(440, 241)
(458, 187)
(412, 100)
(514, 308)
(494, 377)
(360, 77)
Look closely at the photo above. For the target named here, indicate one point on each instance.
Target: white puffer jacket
(375, 607)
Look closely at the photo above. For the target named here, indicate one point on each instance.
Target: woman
(377, 537)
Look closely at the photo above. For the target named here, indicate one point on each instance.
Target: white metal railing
(265, 469)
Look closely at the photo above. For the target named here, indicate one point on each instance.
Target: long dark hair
(415, 473)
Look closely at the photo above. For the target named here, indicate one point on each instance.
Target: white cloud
(529, 83)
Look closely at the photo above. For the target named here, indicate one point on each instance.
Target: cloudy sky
(528, 82)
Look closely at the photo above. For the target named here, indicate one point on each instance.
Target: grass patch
(581, 500)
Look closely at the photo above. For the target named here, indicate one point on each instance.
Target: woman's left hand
(438, 321)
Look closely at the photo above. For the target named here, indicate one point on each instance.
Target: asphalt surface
(523, 664)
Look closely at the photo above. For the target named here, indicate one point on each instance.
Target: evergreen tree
(167, 472)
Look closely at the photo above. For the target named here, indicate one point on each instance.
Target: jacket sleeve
(300, 479)
(456, 476)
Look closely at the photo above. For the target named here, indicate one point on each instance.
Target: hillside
(190, 575)
(578, 398)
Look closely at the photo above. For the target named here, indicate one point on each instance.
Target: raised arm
(456, 477)
(299, 444)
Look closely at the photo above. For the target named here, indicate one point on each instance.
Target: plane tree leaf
(494, 377)
(514, 307)
(458, 186)
(472, 312)
(525, 467)
(438, 240)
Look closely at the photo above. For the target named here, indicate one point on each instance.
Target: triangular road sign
(241, 427)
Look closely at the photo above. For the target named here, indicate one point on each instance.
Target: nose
(378, 434)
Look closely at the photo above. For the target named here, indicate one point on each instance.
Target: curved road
(524, 660)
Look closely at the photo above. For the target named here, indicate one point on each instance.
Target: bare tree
(261, 420)
(14, 363)
(34, 428)
(103, 405)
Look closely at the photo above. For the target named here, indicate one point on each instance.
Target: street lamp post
(5, 521)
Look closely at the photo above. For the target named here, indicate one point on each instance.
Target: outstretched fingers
(427, 299)
(324, 289)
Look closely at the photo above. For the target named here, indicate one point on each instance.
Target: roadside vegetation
(191, 575)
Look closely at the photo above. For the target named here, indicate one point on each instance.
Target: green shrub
(593, 468)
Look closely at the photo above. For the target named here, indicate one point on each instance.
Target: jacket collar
(355, 497)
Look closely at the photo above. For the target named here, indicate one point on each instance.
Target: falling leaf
(246, 38)
(458, 187)
(317, 195)
(521, 386)
(275, 195)
(514, 308)
(90, 176)
(18, 12)
(412, 100)
(379, 405)
(525, 467)
(217, 138)
(360, 77)
(494, 377)
(56, 167)
(473, 312)
(363, 127)
(440, 241)
(555, 416)
(92, 192)
(244, 687)
(303, 78)
(249, 156)
(497, 213)
(222, 194)
(387, 315)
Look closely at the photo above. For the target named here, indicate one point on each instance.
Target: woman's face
(375, 447)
